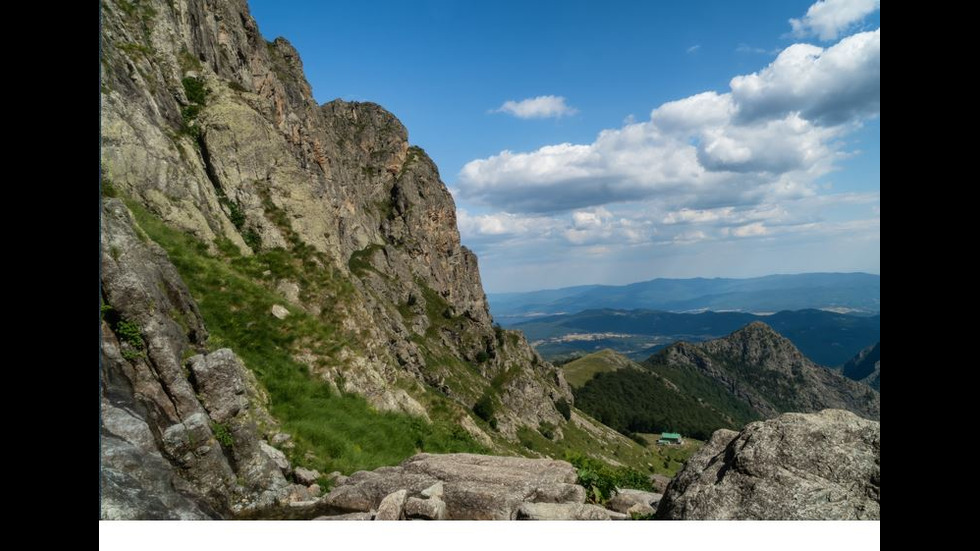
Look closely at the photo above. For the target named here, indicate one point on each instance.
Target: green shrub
(601, 480)
(484, 409)
(130, 333)
(195, 90)
(564, 408)
(223, 435)
(482, 356)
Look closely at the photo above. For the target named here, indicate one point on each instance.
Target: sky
(619, 141)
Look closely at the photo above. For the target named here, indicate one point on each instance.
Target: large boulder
(824, 465)
(473, 486)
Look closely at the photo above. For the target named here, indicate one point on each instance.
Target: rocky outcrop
(215, 131)
(765, 370)
(865, 367)
(179, 439)
(824, 465)
(467, 486)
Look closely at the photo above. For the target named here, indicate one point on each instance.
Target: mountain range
(840, 292)
(828, 338)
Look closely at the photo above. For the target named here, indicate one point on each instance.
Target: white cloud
(541, 107)
(750, 230)
(771, 136)
(827, 19)
(694, 49)
(826, 86)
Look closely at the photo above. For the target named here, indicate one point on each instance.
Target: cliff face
(210, 131)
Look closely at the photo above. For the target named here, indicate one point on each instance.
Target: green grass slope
(580, 371)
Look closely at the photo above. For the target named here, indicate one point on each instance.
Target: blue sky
(611, 142)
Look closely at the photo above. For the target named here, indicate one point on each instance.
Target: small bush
(129, 332)
(195, 90)
(222, 434)
(601, 480)
(484, 409)
(564, 408)
(482, 356)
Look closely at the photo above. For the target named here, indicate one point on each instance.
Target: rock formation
(211, 131)
(824, 465)
(762, 368)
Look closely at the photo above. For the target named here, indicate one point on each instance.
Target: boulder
(640, 510)
(814, 466)
(433, 508)
(625, 499)
(305, 477)
(276, 456)
(392, 507)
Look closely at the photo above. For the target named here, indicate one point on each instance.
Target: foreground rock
(462, 486)
(824, 465)
(624, 500)
(565, 511)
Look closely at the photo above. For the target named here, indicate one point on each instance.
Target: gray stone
(305, 477)
(280, 311)
(795, 467)
(392, 507)
(626, 498)
(562, 511)
(436, 490)
(276, 456)
(640, 509)
(432, 508)
(348, 516)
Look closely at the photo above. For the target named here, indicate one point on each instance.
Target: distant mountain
(696, 388)
(765, 370)
(854, 292)
(631, 398)
(865, 367)
(827, 338)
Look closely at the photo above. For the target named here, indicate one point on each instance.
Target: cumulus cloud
(541, 107)
(827, 19)
(826, 86)
(771, 136)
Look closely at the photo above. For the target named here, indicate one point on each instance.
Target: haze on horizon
(617, 143)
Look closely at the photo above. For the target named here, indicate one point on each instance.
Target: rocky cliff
(763, 369)
(865, 367)
(316, 243)
(820, 466)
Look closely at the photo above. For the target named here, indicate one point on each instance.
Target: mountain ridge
(859, 292)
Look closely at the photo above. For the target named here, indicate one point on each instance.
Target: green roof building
(670, 438)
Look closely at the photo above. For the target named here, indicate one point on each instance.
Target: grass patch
(343, 431)
(582, 370)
